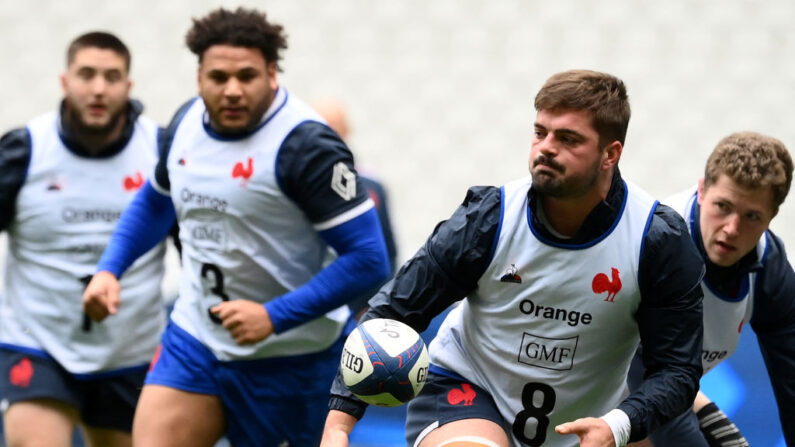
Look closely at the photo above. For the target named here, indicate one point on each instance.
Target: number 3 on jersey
(217, 288)
(538, 400)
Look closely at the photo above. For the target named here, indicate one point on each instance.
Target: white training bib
(724, 317)
(242, 237)
(65, 214)
(550, 330)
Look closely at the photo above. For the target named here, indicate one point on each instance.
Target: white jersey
(65, 213)
(242, 237)
(550, 330)
(724, 317)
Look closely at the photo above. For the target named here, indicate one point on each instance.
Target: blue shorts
(445, 399)
(105, 400)
(266, 401)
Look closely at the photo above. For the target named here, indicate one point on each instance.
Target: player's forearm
(362, 265)
(144, 224)
(338, 426)
(344, 401)
(701, 401)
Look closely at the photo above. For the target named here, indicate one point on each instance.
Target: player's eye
(113, 76)
(86, 73)
(218, 77)
(247, 75)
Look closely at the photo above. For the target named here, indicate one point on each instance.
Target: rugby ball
(384, 362)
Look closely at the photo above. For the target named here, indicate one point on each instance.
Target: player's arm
(150, 216)
(670, 324)
(443, 271)
(315, 170)
(716, 427)
(14, 159)
(774, 323)
(143, 224)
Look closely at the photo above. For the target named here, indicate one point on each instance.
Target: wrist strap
(718, 430)
(620, 426)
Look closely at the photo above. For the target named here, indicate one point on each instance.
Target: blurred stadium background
(440, 94)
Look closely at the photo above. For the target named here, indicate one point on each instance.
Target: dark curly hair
(241, 28)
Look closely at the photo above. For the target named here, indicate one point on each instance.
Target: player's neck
(566, 215)
(92, 141)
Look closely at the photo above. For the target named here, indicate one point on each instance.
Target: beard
(80, 127)
(562, 187)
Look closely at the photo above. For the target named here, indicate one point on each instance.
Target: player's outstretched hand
(247, 321)
(593, 432)
(338, 426)
(101, 297)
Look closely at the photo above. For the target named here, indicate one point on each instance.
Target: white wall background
(440, 92)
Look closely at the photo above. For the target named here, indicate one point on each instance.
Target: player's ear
(63, 82)
(700, 191)
(271, 69)
(611, 154)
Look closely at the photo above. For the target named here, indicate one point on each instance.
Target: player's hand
(101, 297)
(247, 321)
(338, 426)
(593, 432)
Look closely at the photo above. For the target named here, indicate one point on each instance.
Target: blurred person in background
(748, 279)
(66, 177)
(261, 188)
(560, 275)
(333, 111)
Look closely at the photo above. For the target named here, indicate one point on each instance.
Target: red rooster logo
(243, 171)
(21, 373)
(133, 183)
(602, 284)
(456, 396)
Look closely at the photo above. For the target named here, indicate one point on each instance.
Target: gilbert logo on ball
(384, 362)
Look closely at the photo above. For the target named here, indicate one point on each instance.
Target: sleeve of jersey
(774, 324)
(670, 324)
(315, 169)
(143, 224)
(361, 265)
(445, 270)
(14, 160)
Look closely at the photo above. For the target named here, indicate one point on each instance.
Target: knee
(469, 441)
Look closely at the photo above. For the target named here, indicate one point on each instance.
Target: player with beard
(560, 275)
(66, 178)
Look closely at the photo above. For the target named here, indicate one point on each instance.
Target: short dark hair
(99, 39)
(602, 94)
(241, 28)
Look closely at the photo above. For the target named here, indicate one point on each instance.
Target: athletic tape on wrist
(620, 426)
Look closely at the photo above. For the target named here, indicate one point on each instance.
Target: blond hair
(752, 160)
